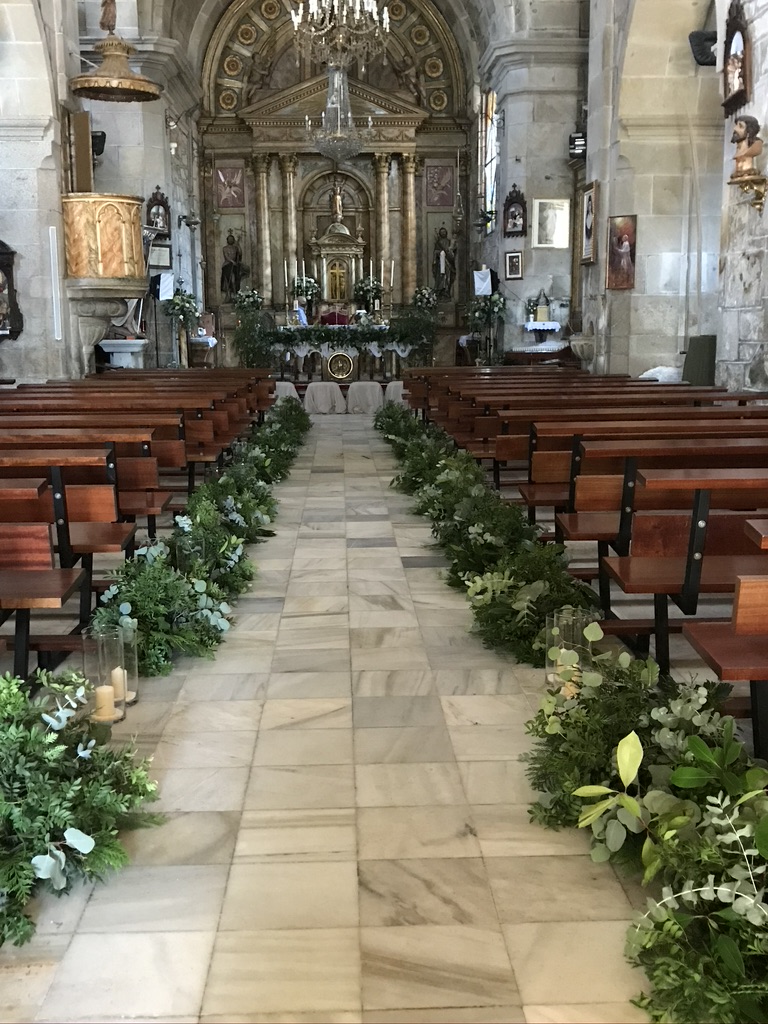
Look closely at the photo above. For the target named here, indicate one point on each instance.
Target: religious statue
(410, 77)
(232, 268)
(337, 210)
(748, 146)
(444, 263)
(258, 72)
(108, 18)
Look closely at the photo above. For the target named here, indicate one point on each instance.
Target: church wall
(743, 289)
(36, 39)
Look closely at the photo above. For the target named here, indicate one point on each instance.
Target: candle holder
(104, 666)
(131, 663)
(568, 652)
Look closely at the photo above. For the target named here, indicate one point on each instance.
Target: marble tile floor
(347, 837)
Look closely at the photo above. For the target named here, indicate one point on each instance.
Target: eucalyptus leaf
(600, 853)
(591, 678)
(79, 840)
(615, 834)
(624, 659)
(593, 632)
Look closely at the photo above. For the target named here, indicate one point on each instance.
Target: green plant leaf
(624, 659)
(593, 632)
(79, 840)
(600, 853)
(730, 956)
(761, 837)
(630, 806)
(629, 757)
(687, 777)
(756, 778)
(615, 834)
(587, 791)
(701, 751)
(590, 814)
(591, 678)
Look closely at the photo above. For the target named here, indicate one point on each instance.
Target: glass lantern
(104, 666)
(568, 652)
(131, 651)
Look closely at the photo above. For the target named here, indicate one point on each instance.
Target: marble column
(261, 169)
(381, 168)
(288, 162)
(408, 254)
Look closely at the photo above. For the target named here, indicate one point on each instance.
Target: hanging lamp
(113, 81)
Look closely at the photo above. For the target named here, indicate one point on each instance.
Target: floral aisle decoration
(486, 310)
(184, 308)
(654, 772)
(176, 596)
(425, 298)
(65, 792)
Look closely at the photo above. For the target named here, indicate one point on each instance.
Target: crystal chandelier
(338, 137)
(340, 32)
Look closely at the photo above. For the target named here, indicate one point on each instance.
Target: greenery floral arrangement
(652, 769)
(414, 326)
(184, 308)
(176, 595)
(424, 298)
(368, 289)
(512, 581)
(248, 300)
(486, 309)
(531, 305)
(65, 792)
(306, 286)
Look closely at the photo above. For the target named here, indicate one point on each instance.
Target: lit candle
(370, 268)
(303, 268)
(118, 677)
(392, 276)
(381, 275)
(295, 270)
(105, 702)
(285, 274)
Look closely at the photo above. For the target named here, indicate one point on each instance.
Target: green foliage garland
(64, 794)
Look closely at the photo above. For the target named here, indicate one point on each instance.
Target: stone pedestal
(125, 352)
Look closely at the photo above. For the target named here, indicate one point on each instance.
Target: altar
(346, 351)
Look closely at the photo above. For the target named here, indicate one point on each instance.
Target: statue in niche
(5, 305)
(748, 146)
(259, 71)
(108, 18)
(232, 268)
(410, 78)
(444, 263)
(337, 209)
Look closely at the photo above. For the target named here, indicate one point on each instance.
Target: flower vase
(564, 638)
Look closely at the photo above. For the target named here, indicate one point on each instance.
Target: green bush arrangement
(653, 769)
(649, 766)
(512, 581)
(64, 794)
(176, 595)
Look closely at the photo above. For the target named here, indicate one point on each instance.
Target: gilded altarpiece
(265, 185)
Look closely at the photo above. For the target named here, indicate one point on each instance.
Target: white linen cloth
(364, 396)
(394, 393)
(285, 389)
(324, 397)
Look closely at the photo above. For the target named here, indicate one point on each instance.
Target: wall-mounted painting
(736, 60)
(513, 266)
(622, 241)
(588, 222)
(515, 214)
(551, 223)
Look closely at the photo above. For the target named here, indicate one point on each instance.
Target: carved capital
(381, 163)
(261, 162)
(409, 162)
(288, 164)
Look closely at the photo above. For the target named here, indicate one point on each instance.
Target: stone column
(288, 162)
(381, 168)
(261, 168)
(408, 256)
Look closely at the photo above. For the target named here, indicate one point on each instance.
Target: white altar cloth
(394, 393)
(324, 397)
(364, 396)
(285, 389)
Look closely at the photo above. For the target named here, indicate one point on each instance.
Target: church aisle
(348, 836)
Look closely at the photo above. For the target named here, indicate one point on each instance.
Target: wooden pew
(738, 650)
(681, 557)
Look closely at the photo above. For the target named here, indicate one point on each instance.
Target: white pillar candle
(295, 270)
(285, 275)
(392, 276)
(370, 269)
(303, 268)
(105, 702)
(381, 274)
(119, 677)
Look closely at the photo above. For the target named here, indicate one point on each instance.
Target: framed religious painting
(159, 213)
(622, 243)
(551, 223)
(229, 183)
(515, 214)
(737, 54)
(588, 223)
(513, 266)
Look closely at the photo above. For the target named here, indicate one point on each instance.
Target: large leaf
(701, 751)
(629, 757)
(590, 814)
(690, 778)
(729, 955)
(761, 837)
(593, 632)
(593, 791)
(79, 840)
(615, 834)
